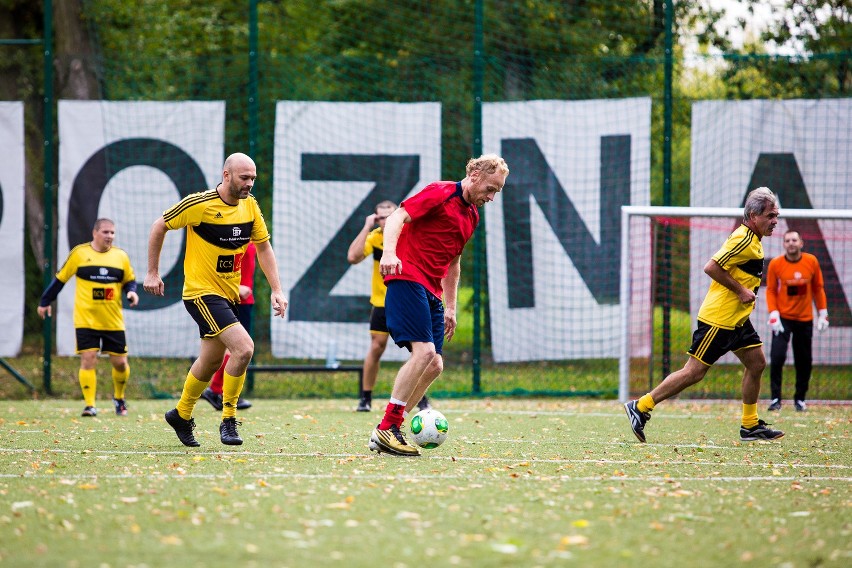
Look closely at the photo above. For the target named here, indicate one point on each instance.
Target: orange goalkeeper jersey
(793, 287)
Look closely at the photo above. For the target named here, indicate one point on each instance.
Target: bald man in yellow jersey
(219, 223)
(723, 321)
(103, 274)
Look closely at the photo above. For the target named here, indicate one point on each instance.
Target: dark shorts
(378, 321)
(244, 314)
(414, 314)
(710, 342)
(111, 342)
(212, 313)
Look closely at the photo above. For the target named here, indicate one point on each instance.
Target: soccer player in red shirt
(423, 243)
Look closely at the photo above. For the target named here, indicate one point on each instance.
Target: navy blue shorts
(414, 314)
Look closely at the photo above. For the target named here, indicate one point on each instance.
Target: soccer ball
(429, 428)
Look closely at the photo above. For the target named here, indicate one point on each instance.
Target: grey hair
(757, 201)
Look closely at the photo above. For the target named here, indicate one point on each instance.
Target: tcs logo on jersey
(229, 262)
(105, 294)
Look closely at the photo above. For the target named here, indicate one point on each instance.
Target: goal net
(662, 260)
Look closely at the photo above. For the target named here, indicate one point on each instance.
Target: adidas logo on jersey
(218, 215)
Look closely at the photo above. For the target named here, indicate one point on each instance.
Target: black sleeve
(129, 287)
(51, 292)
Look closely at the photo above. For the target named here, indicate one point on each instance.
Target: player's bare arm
(269, 266)
(355, 254)
(390, 263)
(723, 277)
(450, 286)
(153, 283)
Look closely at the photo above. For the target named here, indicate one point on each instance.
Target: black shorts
(378, 322)
(111, 342)
(710, 342)
(213, 314)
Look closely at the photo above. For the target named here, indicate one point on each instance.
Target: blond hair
(487, 164)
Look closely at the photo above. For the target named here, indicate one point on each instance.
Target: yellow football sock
(645, 404)
(119, 381)
(89, 385)
(231, 388)
(192, 389)
(749, 415)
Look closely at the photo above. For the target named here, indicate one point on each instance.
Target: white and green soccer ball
(429, 428)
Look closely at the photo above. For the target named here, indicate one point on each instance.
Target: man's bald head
(238, 159)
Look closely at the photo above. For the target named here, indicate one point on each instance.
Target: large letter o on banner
(96, 173)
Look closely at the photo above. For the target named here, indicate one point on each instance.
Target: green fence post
(48, 182)
(667, 193)
(479, 235)
(253, 119)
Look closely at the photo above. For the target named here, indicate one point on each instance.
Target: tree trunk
(74, 79)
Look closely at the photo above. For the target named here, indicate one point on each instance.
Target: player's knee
(243, 351)
(436, 365)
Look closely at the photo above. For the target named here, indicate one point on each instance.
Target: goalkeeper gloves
(822, 320)
(775, 322)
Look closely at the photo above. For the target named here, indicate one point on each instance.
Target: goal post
(827, 233)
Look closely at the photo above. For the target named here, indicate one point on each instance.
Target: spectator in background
(793, 285)
(103, 274)
(369, 242)
(213, 393)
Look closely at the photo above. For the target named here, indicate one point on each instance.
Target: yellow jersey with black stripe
(374, 246)
(217, 235)
(742, 257)
(100, 277)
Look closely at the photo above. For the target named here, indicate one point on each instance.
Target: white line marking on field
(518, 459)
(253, 476)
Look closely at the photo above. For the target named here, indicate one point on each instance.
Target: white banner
(800, 149)
(12, 227)
(129, 161)
(553, 233)
(333, 163)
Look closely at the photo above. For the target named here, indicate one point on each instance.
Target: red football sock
(219, 376)
(393, 416)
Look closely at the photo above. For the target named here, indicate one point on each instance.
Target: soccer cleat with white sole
(759, 432)
(392, 441)
(638, 419)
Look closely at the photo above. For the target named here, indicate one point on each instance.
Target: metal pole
(478, 236)
(253, 119)
(48, 183)
(667, 191)
(253, 106)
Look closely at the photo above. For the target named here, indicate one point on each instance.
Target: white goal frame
(628, 211)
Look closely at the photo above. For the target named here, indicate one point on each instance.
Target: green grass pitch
(517, 483)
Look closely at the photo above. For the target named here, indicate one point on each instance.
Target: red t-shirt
(441, 224)
(247, 265)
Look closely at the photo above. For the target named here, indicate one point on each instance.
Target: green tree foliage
(421, 50)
